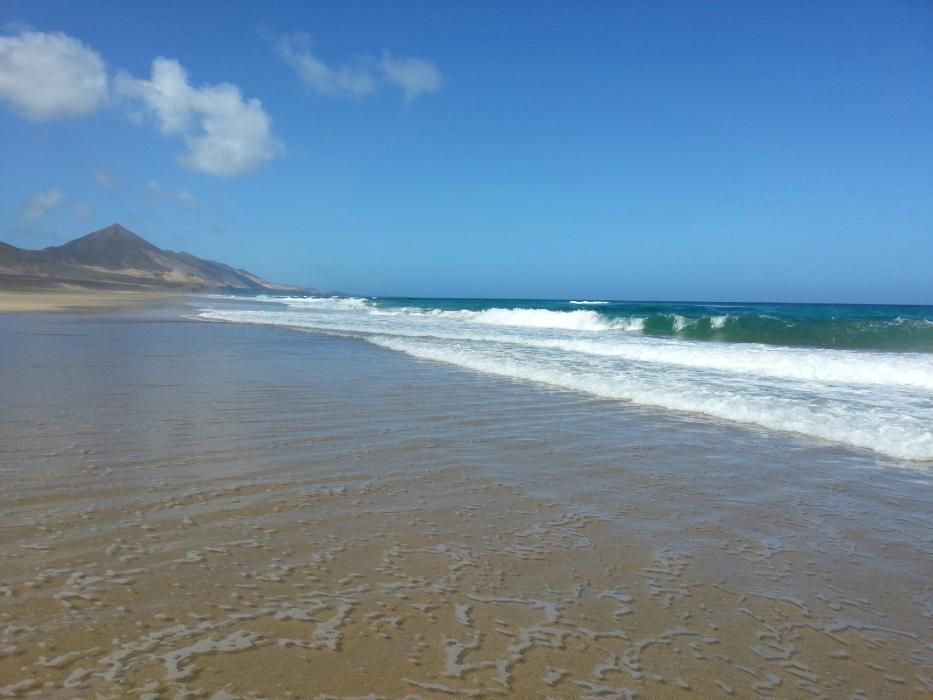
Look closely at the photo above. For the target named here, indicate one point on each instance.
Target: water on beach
(226, 510)
(860, 376)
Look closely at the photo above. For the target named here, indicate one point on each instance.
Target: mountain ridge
(116, 258)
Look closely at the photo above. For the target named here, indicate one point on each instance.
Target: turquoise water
(855, 375)
(843, 326)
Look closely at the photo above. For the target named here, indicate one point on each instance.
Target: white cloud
(187, 199)
(50, 75)
(82, 210)
(355, 80)
(105, 179)
(415, 76)
(226, 135)
(39, 204)
(182, 197)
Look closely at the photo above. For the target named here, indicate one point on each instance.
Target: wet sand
(210, 510)
(83, 299)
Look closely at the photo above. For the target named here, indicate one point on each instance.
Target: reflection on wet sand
(331, 520)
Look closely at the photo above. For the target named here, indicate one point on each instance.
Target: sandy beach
(466, 350)
(83, 299)
(211, 510)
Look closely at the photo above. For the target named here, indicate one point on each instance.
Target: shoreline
(85, 300)
(866, 399)
(188, 502)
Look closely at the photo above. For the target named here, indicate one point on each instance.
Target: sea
(858, 376)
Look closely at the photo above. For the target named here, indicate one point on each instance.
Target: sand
(322, 589)
(82, 299)
(206, 510)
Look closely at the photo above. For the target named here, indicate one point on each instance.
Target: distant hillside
(116, 258)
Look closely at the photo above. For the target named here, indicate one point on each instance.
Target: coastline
(189, 503)
(81, 299)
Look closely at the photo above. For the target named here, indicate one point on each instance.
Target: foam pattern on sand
(341, 591)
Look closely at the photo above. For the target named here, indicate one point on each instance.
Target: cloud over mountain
(363, 77)
(182, 197)
(39, 204)
(355, 79)
(225, 134)
(414, 76)
(105, 179)
(50, 75)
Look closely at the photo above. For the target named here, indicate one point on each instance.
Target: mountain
(116, 258)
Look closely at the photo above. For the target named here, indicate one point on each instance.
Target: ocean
(860, 376)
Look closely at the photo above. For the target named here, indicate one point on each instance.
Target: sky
(743, 151)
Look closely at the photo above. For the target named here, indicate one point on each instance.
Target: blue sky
(717, 151)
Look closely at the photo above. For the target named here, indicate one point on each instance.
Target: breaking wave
(881, 401)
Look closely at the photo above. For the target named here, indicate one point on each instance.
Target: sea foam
(875, 400)
(883, 429)
(544, 318)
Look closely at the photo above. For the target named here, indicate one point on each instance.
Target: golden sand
(78, 299)
(364, 590)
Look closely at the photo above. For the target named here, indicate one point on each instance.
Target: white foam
(632, 323)
(579, 320)
(806, 364)
(325, 302)
(874, 400)
(594, 303)
(718, 321)
(543, 318)
(882, 429)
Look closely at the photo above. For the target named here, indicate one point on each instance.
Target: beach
(60, 299)
(215, 509)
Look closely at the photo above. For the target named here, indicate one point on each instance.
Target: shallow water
(190, 508)
(868, 397)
